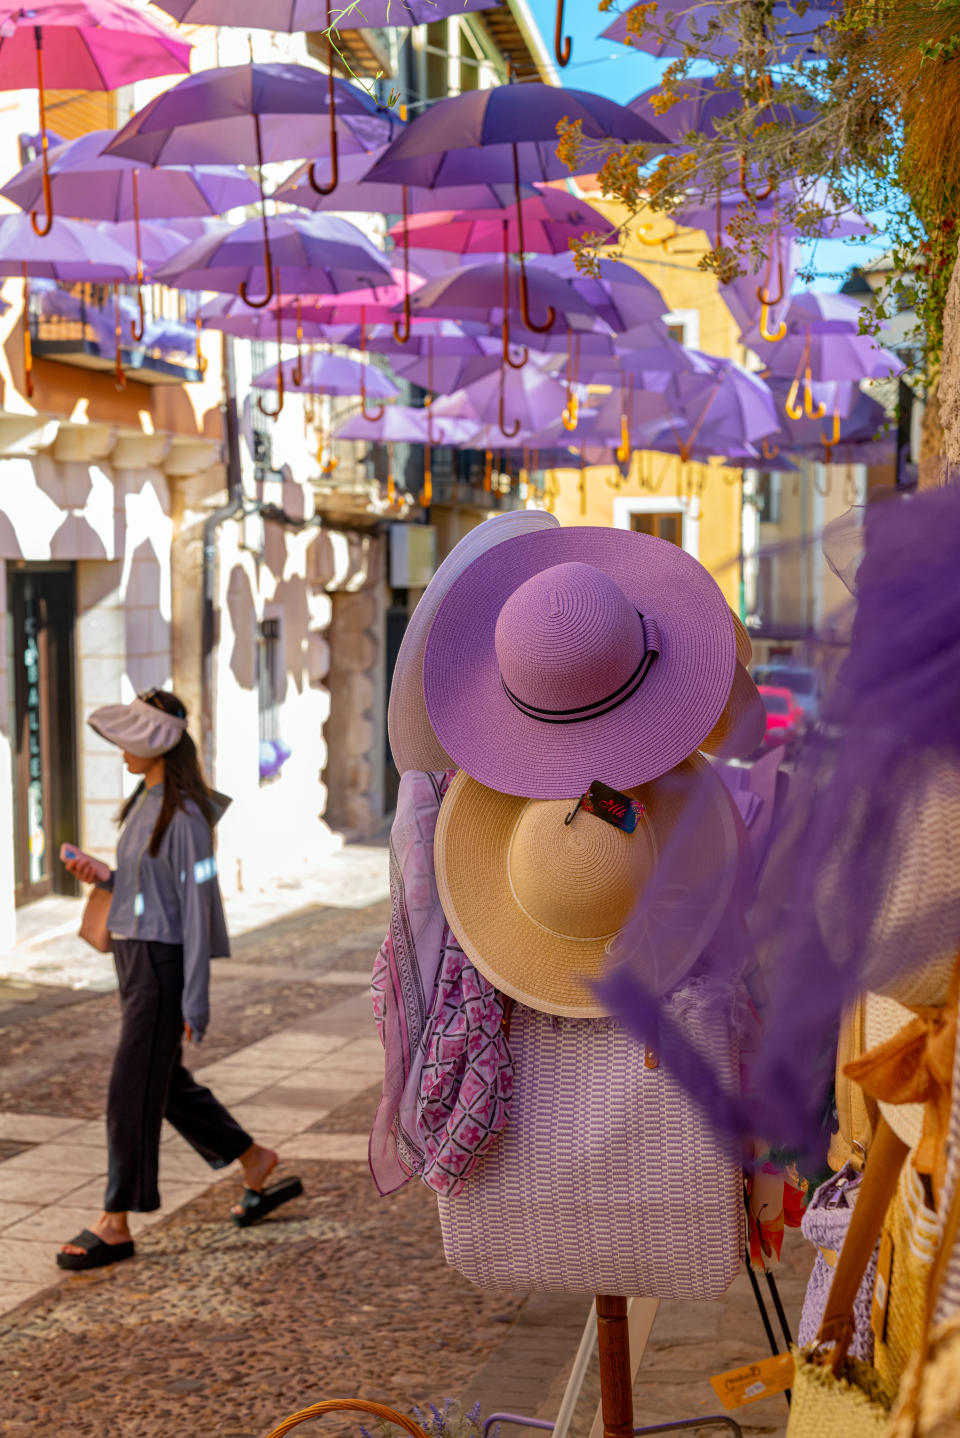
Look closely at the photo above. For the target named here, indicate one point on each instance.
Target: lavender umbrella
(728, 407)
(320, 373)
(506, 133)
(619, 294)
(703, 103)
(81, 45)
(73, 253)
(402, 424)
(830, 356)
(535, 400)
(245, 114)
(311, 253)
(455, 373)
(792, 36)
(716, 217)
(844, 414)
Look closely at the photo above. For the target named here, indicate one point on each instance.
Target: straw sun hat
(536, 902)
(572, 654)
(413, 743)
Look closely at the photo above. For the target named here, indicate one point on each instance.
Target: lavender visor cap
(139, 728)
(577, 654)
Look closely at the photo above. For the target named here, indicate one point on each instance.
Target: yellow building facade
(697, 506)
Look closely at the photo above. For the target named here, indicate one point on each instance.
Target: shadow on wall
(243, 622)
(291, 594)
(146, 631)
(77, 537)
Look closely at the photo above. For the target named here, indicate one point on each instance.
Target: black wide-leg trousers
(149, 1082)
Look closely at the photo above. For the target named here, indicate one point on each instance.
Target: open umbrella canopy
(476, 292)
(311, 254)
(356, 192)
(156, 244)
(318, 373)
(619, 294)
(630, 404)
(86, 45)
(863, 419)
(228, 314)
(88, 185)
(826, 356)
(294, 15)
(716, 216)
(551, 219)
(402, 424)
(244, 114)
(791, 33)
(703, 102)
(452, 373)
(728, 407)
(823, 312)
(72, 251)
(441, 339)
(491, 135)
(533, 398)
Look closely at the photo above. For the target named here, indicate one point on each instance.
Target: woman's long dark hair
(182, 775)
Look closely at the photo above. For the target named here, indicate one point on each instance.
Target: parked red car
(784, 715)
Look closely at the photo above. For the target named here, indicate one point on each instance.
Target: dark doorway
(41, 606)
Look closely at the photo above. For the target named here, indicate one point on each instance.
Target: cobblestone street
(341, 1294)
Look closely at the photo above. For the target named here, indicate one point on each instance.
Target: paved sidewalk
(278, 1088)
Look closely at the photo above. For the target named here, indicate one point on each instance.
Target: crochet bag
(825, 1223)
(914, 1230)
(607, 1179)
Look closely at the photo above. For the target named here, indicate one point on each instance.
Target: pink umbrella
(82, 45)
(550, 219)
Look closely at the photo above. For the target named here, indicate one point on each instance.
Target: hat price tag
(611, 806)
(754, 1381)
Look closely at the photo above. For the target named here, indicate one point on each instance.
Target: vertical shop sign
(36, 815)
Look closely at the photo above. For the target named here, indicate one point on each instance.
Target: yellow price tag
(754, 1381)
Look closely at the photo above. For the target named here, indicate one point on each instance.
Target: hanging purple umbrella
(311, 254)
(619, 294)
(792, 35)
(826, 356)
(320, 373)
(761, 300)
(507, 133)
(442, 339)
(402, 424)
(703, 102)
(716, 215)
(850, 417)
(727, 407)
(72, 252)
(251, 115)
(535, 400)
(456, 371)
(356, 193)
(81, 45)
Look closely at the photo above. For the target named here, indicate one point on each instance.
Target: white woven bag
(608, 1179)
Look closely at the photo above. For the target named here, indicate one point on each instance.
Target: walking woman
(166, 922)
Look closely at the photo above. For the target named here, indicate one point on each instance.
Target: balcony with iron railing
(93, 327)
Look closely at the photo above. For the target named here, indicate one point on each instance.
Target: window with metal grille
(270, 677)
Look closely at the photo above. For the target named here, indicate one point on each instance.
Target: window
(768, 492)
(270, 677)
(661, 526)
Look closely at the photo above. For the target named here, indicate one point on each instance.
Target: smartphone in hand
(99, 870)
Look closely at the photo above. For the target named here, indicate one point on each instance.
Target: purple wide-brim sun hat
(578, 654)
(413, 743)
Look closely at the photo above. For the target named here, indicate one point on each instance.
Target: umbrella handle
(296, 373)
(651, 244)
(524, 291)
(507, 433)
(120, 379)
(763, 291)
(267, 257)
(761, 195)
(505, 322)
(795, 411)
(767, 451)
(138, 325)
(370, 415)
(562, 48)
(426, 494)
(771, 336)
(202, 361)
(488, 470)
(274, 413)
(834, 438)
(571, 412)
(827, 486)
(811, 411)
(401, 328)
(27, 344)
(626, 410)
(334, 145)
(42, 229)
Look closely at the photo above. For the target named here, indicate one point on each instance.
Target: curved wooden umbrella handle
(763, 291)
(766, 450)
(296, 373)
(273, 413)
(27, 344)
(202, 361)
(834, 438)
(761, 195)
(562, 48)
(505, 322)
(334, 145)
(401, 328)
(771, 336)
(120, 379)
(810, 410)
(507, 433)
(42, 229)
(571, 411)
(794, 410)
(138, 326)
(267, 257)
(524, 290)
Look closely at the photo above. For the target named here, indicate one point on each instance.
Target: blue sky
(621, 73)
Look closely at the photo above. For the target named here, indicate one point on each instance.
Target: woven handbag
(833, 1393)
(608, 1179)
(914, 1230)
(825, 1223)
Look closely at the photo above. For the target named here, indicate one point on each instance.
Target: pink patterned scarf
(448, 1073)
